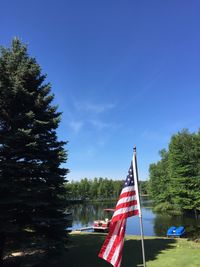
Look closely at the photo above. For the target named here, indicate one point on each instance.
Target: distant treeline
(98, 189)
(174, 182)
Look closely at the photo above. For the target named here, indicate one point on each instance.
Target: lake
(154, 224)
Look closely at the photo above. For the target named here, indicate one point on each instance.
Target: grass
(160, 252)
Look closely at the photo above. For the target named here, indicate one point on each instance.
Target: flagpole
(135, 170)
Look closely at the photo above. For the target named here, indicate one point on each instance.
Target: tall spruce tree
(31, 176)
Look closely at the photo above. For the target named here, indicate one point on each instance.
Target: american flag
(128, 205)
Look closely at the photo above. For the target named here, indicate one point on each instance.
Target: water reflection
(154, 224)
(85, 214)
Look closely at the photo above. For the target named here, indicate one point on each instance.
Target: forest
(173, 184)
(98, 189)
(174, 181)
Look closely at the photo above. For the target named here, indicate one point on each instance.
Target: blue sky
(124, 73)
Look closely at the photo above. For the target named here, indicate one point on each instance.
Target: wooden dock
(85, 228)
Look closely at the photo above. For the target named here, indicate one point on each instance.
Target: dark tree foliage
(159, 179)
(184, 163)
(143, 187)
(98, 189)
(31, 179)
(175, 180)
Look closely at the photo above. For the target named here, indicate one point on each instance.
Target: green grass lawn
(160, 252)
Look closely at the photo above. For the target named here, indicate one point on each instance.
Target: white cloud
(93, 107)
(99, 125)
(76, 125)
(87, 114)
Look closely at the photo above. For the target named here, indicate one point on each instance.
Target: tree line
(98, 189)
(174, 182)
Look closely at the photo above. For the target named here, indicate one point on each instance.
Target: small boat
(102, 225)
(176, 231)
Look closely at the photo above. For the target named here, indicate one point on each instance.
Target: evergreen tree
(31, 179)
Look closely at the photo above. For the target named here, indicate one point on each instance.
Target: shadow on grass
(84, 248)
(132, 253)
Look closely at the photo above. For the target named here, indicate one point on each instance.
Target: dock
(85, 228)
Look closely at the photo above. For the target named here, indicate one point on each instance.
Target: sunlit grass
(159, 251)
(83, 249)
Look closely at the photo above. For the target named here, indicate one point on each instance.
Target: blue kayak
(176, 231)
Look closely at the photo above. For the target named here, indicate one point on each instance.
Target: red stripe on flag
(118, 240)
(126, 204)
(125, 215)
(127, 194)
(114, 242)
(113, 231)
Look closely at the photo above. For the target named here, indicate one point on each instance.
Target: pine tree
(31, 176)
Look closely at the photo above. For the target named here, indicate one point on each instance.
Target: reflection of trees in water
(84, 214)
(88, 212)
(146, 202)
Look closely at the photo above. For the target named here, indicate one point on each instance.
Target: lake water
(153, 224)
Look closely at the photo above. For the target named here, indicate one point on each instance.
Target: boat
(103, 225)
(176, 231)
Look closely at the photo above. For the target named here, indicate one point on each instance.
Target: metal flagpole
(135, 172)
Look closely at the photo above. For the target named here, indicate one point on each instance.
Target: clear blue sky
(124, 73)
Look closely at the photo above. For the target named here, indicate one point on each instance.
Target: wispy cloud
(76, 126)
(99, 125)
(93, 107)
(90, 115)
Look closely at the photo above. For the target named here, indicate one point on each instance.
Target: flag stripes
(125, 213)
(111, 250)
(127, 205)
